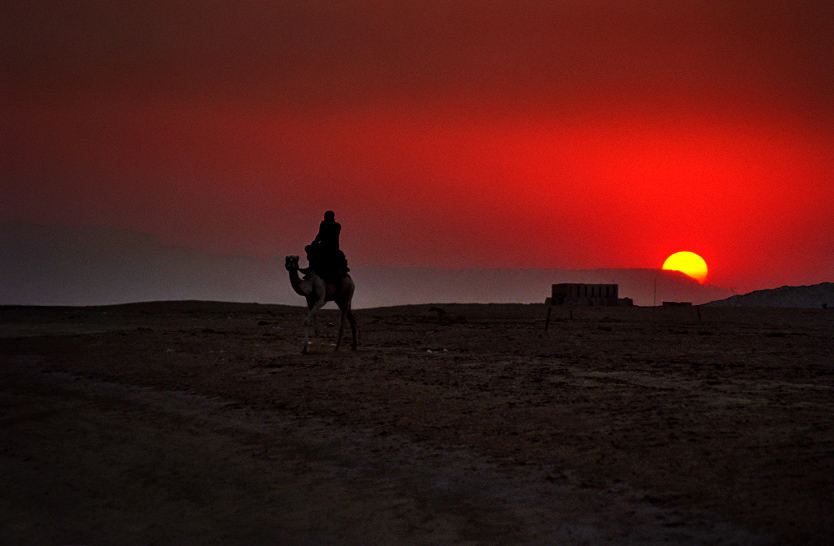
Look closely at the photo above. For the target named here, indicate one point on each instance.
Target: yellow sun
(688, 263)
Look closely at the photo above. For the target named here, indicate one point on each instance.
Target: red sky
(566, 134)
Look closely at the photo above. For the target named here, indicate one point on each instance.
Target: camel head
(292, 263)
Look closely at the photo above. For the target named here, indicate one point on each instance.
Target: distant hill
(814, 296)
(49, 265)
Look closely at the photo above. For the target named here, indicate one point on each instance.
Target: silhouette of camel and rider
(323, 254)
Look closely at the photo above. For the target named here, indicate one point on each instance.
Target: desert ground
(202, 423)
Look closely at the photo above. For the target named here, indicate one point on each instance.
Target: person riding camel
(323, 254)
(329, 230)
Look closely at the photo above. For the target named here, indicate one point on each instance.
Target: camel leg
(312, 318)
(341, 329)
(349, 314)
(306, 347)
(346, 313)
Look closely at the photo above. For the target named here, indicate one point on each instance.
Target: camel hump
(332, 275)
(330, 266)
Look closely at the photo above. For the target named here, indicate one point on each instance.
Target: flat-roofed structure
(580, 294)
(585, 294)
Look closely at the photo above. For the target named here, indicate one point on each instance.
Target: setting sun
(688, 263)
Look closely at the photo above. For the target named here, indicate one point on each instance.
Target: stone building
(585, 294)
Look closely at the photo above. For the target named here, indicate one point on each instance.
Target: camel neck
(295, 281)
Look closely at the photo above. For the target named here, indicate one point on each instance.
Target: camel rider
(329, 229)
(323, 253)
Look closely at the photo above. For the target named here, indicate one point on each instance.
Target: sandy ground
(200, 423)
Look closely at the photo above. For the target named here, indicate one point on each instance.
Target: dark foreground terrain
(201, 423)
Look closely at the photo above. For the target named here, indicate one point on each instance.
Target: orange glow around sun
(688, 263)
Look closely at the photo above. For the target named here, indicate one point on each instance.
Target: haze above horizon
(449, 134)
(100, 266)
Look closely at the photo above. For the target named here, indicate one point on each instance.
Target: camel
(317, 292)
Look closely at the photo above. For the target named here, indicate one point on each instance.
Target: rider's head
(330, 215)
